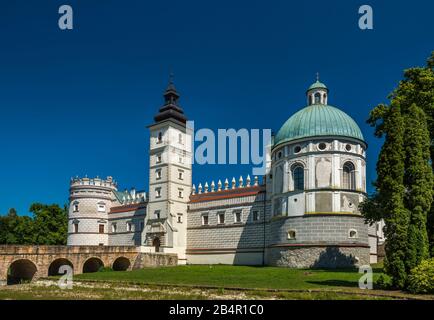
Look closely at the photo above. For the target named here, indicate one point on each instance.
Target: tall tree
(388, 122)
(418, 182)
(417, 87)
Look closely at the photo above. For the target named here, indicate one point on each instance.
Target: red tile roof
(128, 207)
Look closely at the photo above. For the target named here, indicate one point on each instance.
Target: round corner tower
(90, 201)
(318, 180)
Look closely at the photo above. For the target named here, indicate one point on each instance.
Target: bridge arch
(53, 269)
(21, 270)
(93, 264)
(121, 264)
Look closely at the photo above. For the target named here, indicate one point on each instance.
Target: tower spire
(171, 108)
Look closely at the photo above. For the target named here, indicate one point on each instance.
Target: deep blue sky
(77, 102)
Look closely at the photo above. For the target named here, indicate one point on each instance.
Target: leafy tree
(50, 224)
(47, 226)
(418, 182)
(418, 88)
(404, 187)
(389, 200)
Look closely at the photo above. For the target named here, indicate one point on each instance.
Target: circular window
(295, 200)
(322, 146)
(297, 149)
(348, 147)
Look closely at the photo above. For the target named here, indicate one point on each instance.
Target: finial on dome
(317, 77)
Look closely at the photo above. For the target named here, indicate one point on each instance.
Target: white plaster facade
(305, 205)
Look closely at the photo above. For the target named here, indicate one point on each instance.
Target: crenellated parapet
(213, 187)
(131, 196)
(108, 182)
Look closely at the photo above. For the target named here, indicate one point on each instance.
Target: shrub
(383, 282)
(421, 279)
(105, 269)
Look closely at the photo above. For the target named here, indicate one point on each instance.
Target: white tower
(90, 202)
(170, 178)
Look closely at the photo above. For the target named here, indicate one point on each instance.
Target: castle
(302, 213)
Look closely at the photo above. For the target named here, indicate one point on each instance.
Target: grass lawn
(235, 277)
(208, 282)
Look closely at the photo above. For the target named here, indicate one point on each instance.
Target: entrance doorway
(156, 243)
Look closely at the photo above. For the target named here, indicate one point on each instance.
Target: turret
(90, 201)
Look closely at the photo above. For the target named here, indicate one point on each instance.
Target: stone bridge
(18, 263)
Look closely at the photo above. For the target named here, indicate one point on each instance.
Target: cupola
(317, 93)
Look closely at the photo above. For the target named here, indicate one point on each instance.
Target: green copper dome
(318, 120)
(317, 85)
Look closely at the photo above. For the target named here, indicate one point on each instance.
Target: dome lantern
(317, 93)
(318, 119)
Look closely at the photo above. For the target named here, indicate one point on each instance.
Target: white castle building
(302, 213)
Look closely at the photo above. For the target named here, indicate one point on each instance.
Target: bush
(421, 279)
(105, 269)
(383, 282)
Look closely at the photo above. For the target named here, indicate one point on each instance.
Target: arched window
(349, 176)
(298, 177)
(317, 98)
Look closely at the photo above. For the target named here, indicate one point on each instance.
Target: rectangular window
(180, 175)
(237, 217)
(205, 220)
(160, 137)
(142, 225)
(180, 193)
(129, 226)
(101, 207)
(221, 218)
(158, 173)
(75, 207)
(179, 217)
(157, 192)
(255, 215)
(157, 214)
(101, 228)
(180, 138)
(114, 228)
(159, 158)
(75, 227)
(180, 160)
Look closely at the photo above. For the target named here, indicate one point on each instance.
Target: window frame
(349, 177)
(257, 215)
(240, 213)
(219, 215)
(205, 215)
(298, 179)
(291, 234)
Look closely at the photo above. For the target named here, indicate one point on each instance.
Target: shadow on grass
(335, 283)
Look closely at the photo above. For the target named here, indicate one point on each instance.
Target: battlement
(220, 186)
(130, 196)
(108, 182)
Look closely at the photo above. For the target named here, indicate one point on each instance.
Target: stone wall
(40, 258)
(318, 228)
(318, 257)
